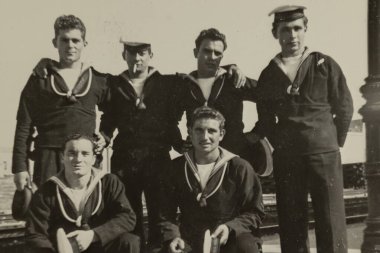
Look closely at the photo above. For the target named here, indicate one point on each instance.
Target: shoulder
(321, 59)
(99, 78)
(177, 165)
(241, 167)
(35, 81)
(110, 178)
(267, 73)
(241, 164)
(179, 161)
(98, 73)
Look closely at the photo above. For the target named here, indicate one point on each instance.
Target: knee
(130, 243)
(247, 243)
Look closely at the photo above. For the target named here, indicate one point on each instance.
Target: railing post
(371, 116)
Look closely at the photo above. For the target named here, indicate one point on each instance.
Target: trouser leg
(326, 188)
(292, 207)
(125, 243)
(152, 183)
(130, 175)
(243, 243)
(133, 190)
(48, 162)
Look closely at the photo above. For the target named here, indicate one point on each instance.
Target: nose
(293, 33)
(205, 135)
(213, 56)
(78, 157)
(71, 43)
(138, 57)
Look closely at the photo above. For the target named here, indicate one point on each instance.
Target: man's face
(138, 58)
(209, 55)
(70, 44)
(291, 36)
(206, 135)
(78, 157)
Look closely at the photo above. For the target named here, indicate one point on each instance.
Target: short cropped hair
(65, 22)
(276, 24)
(212, 34)
(77, 136)
(205, 112)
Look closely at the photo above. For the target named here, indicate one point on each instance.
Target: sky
(336, 27)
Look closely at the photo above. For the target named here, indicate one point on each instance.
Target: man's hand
(187, 145)
(222, 232)
(177, 245)
(21, 180)
(83, 238)
(237, 75)
(100, 143)
(40, 69)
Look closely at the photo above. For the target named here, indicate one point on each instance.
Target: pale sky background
(336, 27)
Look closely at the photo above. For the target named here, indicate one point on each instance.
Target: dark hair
(69, 22)
(205, 112)
(276, 24)
(212, 34)
(78, 136)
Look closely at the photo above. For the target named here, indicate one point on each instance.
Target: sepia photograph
(196, 126)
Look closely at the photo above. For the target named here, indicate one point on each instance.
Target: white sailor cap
(288, 13)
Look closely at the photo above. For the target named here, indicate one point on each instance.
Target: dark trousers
(141, 171)
(125, 243)
(243, 243)
(321, 176)
(47, 163)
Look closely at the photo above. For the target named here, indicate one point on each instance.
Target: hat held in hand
(21, 201)
(261, 157)
(64, 244)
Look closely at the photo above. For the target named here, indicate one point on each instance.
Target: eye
(86, 153)
(217, 53)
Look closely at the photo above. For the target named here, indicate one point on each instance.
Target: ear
(93, 159)
(123, 55)
(222, 133)
(189, 134)
(151, 55)
(85, 43)
(195, 51)
(54, 41)
(274, 33)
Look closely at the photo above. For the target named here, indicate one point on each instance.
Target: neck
(70, 65)
(78, 182)
(206, 158)
(206, 74)
(293, 53)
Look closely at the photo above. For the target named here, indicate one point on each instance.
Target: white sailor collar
(215, 91)
(215, 179)
(95, 180)
(81, 87)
